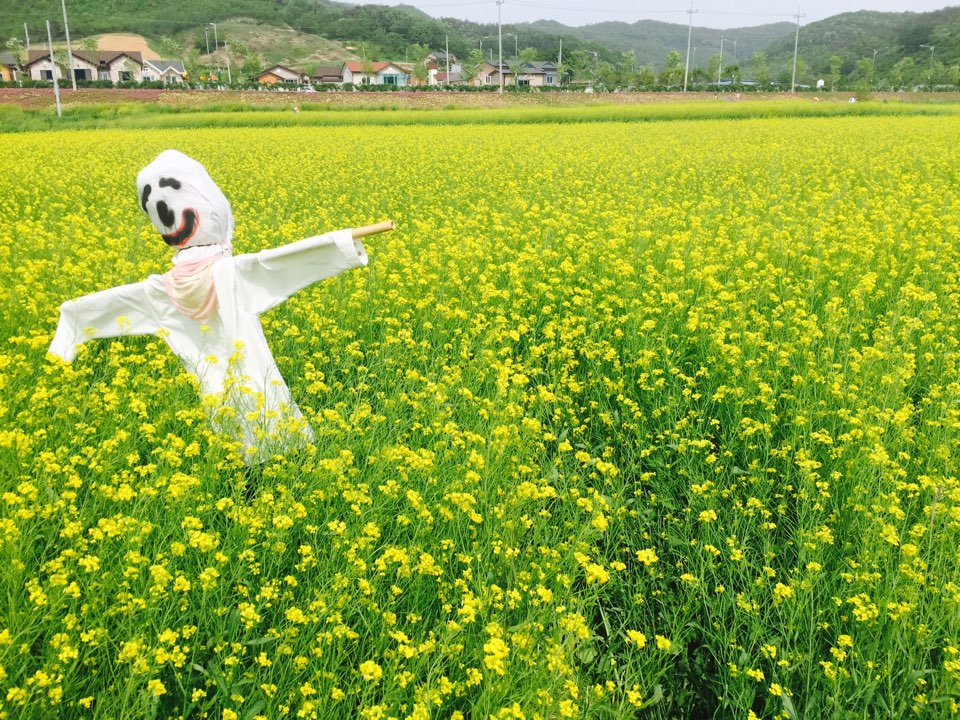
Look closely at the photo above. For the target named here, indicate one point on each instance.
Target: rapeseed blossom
(664, 418)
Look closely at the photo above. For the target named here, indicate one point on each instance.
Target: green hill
(896, 38)
(651, 40)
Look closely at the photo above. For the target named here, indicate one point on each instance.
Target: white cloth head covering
(183, 202)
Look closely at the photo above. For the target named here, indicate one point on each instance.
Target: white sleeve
(267, 278)
(124, 310)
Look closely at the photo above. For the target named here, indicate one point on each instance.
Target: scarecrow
(207, 307)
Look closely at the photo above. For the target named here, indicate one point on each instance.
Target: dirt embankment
(35, 98)
(118, 41)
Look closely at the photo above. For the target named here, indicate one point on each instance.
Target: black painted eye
(144, 194)
(166, 215)
(170, 183)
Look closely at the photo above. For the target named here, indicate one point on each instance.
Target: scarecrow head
(183, 202)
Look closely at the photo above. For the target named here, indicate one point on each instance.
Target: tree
(626, 68)
(15, 46)
(673, 72)
(645, 77)
(953, 75)
(607, 75)
(89, 44)
(471, 67)
(713, 68)
(515, 66)
(169, 47)
(528, 54)
(251, 67)
(835, 63)
(191, 63)
(761, 71)
(419, 54)
(902, 73)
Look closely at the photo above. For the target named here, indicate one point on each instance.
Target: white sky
(710, 13)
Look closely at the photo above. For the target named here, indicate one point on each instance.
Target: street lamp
(216, 47)
(720, 66)
(930, 79)
(873, 67)
(500, 44)
(693, 63)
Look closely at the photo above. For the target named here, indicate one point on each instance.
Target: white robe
(244, 392)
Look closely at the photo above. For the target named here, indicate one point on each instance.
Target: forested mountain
(651, 40)
(911, 47)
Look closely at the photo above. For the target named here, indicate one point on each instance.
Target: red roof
(355, 66)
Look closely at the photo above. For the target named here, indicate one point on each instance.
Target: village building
(279, 74)
(169, 72)
(114, 65)
(328, 74)
(9, 68)
(376, 73)
(530, 73)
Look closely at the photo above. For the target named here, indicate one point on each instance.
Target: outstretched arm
(267, 278)
(124, 310)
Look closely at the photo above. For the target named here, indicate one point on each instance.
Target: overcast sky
(710, 13)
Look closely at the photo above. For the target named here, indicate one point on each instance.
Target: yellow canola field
(623, 416)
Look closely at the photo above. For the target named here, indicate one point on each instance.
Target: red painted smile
(189, 224)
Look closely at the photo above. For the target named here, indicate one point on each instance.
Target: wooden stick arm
(384, 226)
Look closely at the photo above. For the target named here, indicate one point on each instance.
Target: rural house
(538, 73)
(9, 68)
(165, 71)
(328, 74)
(375, 73)
(442, 67)
(530, 73)
(282, 75)
(114, 65)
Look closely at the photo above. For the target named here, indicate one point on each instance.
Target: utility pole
(66, 29)
(686, 69)
(26, 34)
(873, 67)
(500, 42)
(226, 49)
(216, 47)
(446, 42)
(796, 46)
(56, 85)
(720, 64)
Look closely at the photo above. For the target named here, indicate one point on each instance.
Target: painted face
(183, 203)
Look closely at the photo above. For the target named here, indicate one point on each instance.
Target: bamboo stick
(384, 226)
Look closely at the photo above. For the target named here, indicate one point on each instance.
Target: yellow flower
(647, 556)
(371, 671)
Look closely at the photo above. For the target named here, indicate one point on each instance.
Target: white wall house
(113, 66)
(378, 73)
(169, 72)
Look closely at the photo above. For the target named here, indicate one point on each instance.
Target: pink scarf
(190, 287)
